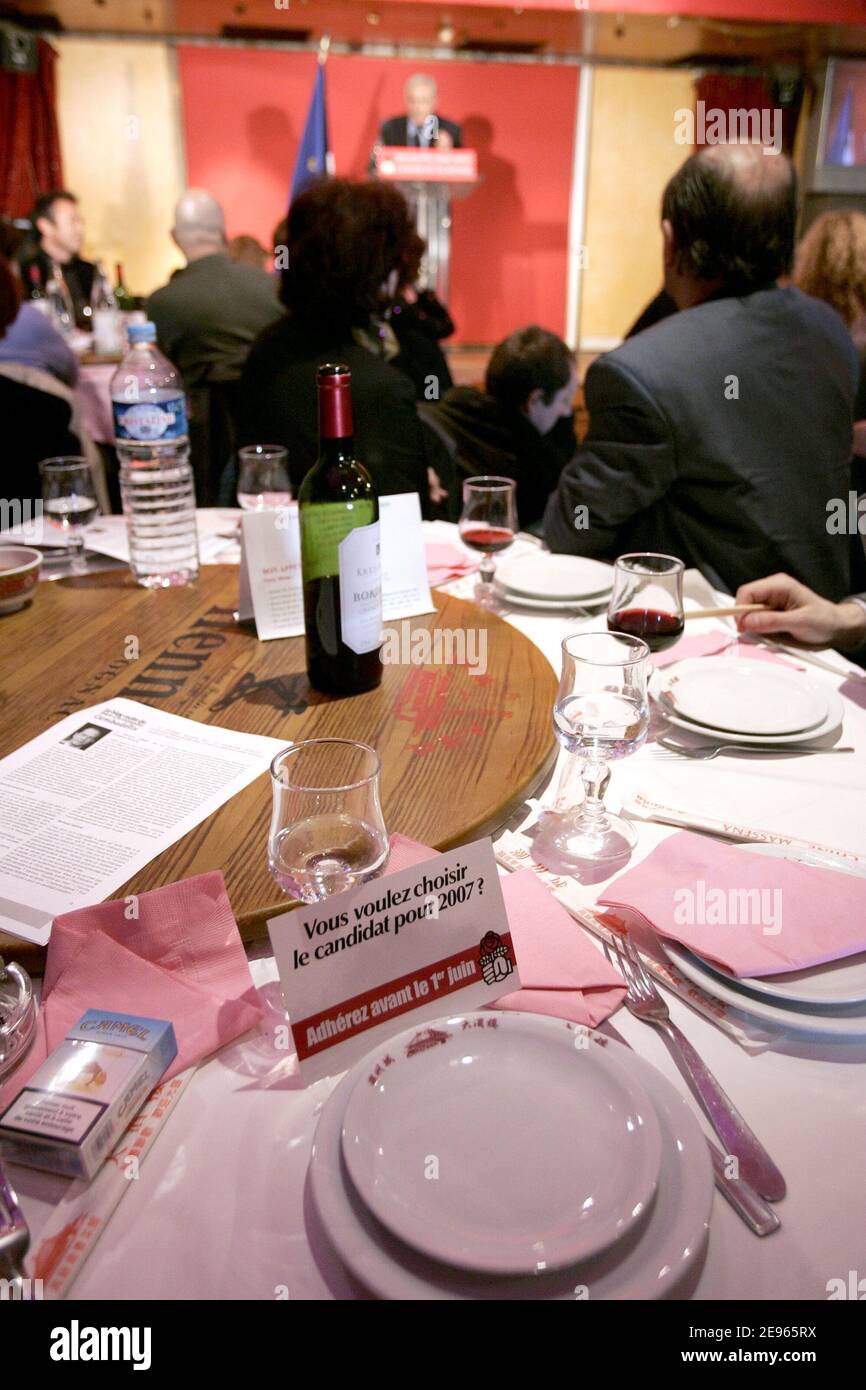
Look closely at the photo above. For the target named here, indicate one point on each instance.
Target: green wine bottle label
(323, 526)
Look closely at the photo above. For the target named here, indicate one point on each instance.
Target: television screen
(844, 142)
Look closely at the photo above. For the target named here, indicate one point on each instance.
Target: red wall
(244, 112)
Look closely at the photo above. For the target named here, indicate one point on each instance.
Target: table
(220, 1209)
(458, 751)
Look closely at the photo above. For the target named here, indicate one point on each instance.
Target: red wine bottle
(339, 520)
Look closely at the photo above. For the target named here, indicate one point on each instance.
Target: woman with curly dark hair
(351, 249)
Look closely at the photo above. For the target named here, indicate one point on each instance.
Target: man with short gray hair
(207, 318)
(421, 126)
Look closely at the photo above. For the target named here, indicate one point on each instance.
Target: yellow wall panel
(633, 153)
(120, 130)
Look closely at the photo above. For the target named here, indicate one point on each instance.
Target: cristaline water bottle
(339, 517)
(156, 480)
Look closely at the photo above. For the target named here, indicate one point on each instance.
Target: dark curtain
(30, 160)
(728, 91)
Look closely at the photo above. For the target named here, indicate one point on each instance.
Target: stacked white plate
(558, 582)
(826, 1000)
(510, 1156)
(738, 700)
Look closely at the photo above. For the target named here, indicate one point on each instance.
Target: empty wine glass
(263, 477)
(488, 524)
(69, 500)
(647, 599)
(327, 832)
(601, 714)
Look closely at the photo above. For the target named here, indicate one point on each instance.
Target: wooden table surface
(458, 751)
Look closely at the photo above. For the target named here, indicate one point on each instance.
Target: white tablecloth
(218, 1210)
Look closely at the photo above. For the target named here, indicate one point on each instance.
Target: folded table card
(271, 583)
(430, 938)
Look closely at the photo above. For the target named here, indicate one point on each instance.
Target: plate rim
(812, 686)
(833, 723)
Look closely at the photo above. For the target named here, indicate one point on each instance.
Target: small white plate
(649, 1263)
(832, 724)
(743, 696)
(542, 1154)
(550, 605)
(838, 984)
(541, 575)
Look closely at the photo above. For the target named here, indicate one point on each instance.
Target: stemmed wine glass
(488, 523)
(647, 599)
(69, 499)
(327, 831)
(263, 478)
(601, 714)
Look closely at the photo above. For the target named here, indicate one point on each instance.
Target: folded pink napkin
(562, 973)
(181, 958)
(713, 644)
(751, 913)
(444, 562)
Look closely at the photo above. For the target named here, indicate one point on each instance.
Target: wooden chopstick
(729, 612)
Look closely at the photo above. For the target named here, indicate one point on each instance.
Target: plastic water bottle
(156, 480)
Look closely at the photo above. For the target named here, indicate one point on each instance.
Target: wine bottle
(122, 297)
(339, 522)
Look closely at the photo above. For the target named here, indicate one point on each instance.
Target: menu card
(363, 965)
(270, 581)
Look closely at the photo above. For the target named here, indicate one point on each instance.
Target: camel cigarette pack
(71, 1112)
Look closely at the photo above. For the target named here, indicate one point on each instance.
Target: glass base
(575, 840)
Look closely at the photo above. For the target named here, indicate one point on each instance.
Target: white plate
(647, 1263)
(550, 605)
(545, 1154)
(561, 577)
(832, 724)
(742, 696)
(835, 985)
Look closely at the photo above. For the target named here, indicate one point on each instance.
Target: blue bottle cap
(142, 332)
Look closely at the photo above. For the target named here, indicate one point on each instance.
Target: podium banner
(409, 164)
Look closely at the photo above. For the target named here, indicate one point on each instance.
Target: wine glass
(601, 714)
(327, 832)
(69, 500)
(263, 478)
(488, 523)
(647, 599)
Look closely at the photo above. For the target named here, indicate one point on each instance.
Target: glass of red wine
(488, 524)
(647, 599)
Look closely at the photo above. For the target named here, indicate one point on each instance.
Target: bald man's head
(729, 216)
(199, 226)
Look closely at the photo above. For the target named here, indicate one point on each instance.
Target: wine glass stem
(77, 558)
(486, 569)
(595, 776)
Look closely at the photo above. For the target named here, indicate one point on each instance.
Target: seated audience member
(58, 233)
(831, 265)
(797, 612)
(720, 434)
(31, 339)
(419, 322)
(351, 249)
(207, 318)
(245, 250)
(36, 422)
(521, 425)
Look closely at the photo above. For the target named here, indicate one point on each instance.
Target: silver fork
(708, 751)
(644, 1001)
(14, 1236)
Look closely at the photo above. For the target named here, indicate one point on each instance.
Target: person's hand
(799, 612)
(437, 492)
(443, 140)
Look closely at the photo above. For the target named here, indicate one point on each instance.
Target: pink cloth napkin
(444, 563)
(694, 890)
(563, 974)
(181, 959)
(713, 644)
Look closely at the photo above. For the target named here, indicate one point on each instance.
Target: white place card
(361, 966)
(270, 580)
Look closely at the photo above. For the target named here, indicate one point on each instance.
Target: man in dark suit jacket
(722, 433)
(421, 126)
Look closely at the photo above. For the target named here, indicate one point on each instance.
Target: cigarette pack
(69, 1115)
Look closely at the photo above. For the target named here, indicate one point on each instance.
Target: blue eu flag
(312, 161)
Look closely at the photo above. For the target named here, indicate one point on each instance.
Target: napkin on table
(182, 959)
(563, 974)
(806, 915)
(714, 644)
(444, 562)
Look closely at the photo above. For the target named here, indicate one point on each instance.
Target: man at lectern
(421, 126)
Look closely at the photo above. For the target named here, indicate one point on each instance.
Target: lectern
(430, 179)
